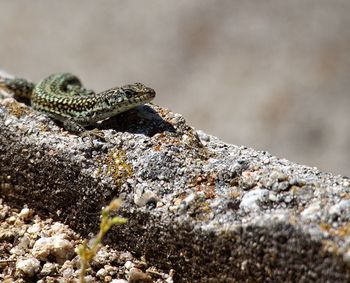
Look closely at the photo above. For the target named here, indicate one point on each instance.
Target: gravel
(42, 250)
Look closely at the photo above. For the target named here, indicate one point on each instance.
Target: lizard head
(137, 92)
(128, 96)
(120, 99)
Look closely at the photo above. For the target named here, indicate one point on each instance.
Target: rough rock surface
(212, 211)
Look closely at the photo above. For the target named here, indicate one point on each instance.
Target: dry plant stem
(87, 253)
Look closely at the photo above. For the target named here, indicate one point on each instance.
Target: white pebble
(29, 266)
(25, 213)
(128, 264)
(251, 199)
(7, 122)
(101, 273)
(56, 246)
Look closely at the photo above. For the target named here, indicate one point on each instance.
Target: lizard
(63, 98)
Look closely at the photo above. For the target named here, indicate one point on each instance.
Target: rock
(211, 210)
(252, 199)
(49, 268)
(56, 246)
(29, 267)
(137, 276)
(25, 213)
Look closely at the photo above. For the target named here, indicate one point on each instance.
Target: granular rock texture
(213, 212)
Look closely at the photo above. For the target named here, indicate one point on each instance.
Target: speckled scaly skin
(62, 97)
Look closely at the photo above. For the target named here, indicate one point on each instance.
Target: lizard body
(62, 97)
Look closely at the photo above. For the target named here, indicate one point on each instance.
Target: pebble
(25, 213)
(138, 276)
(145, 198)
(67, 273)
(34, 229)
(55, 246)
(125, 256)
(250, 200)
(48, 269)
(29, 266)
(128, 264)
(203, 136)
(7, 122)
(11, 219)
(101, 273)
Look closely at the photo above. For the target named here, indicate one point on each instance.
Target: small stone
(26, 214)
(146, 198)
(125, 256)
(275, 175)
(128, 264)
(58, 228)
(137, 276)
(250, 201)
(288, 199)
(203, 136)
(109, 268)
(22, 247)
(11, 219)
(101, 273)
(28, 267)
(56, 246)
(67, 273)
(24, 242)
(34, 229)
(89, 279)
(7, 122)
(272, 197)
(102, 256)
(49, 268)
(189, 199)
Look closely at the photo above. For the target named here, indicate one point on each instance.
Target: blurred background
(273, 75)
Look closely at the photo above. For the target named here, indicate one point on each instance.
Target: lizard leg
(78, 129)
